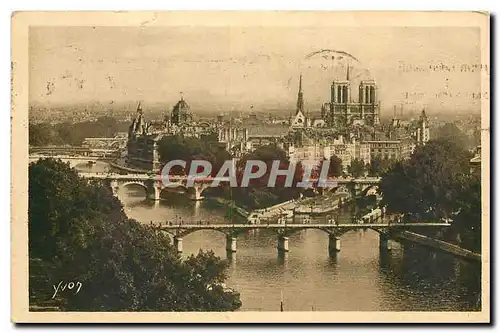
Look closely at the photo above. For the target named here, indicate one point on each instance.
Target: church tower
(138, 125)
(299, 120)
(368, 101)
(339, 101)
(300, 98)
(341, 90)
(423, 132)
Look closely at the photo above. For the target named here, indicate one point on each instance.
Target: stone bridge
(385, 226)
(105, 143)
(348, 185)
(152, 184)
(355, 186)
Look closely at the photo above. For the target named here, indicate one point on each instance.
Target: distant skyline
(252, 68)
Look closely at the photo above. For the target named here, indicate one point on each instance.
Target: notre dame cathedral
(342, 110)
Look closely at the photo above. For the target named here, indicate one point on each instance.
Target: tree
(379, 166)
(357, 168)
(467, 220)
(178, 147)
(425, 186)
(79, 232)
(258, 194)
(40, 134)
(335, 168)
(67, 133)
(451, 132)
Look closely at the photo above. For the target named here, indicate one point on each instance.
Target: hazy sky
(232, 67)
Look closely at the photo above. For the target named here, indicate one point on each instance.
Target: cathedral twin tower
(341, 110)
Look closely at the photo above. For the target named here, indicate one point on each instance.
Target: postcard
(250, 167)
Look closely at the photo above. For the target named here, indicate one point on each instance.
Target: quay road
(284, 230)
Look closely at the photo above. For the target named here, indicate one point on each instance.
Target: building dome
(181, 112)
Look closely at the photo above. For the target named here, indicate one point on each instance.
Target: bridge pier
(156, 204)
(384, 244)
(195, 197)
(283, 244)
(178, 244)
(153, 193)
(230, 244)
(195, 193)
(114, 187)
(333, 245)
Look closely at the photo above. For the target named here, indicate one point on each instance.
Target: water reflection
(96, 167)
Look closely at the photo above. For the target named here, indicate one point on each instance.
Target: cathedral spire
(300, 97)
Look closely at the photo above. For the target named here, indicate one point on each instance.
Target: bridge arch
(343, 189)
(204, 124)
(371, 190)
(129, 184)
(114, 145)
(310, 192)
(141, 184)
(208, 190)
(288, 232)
(173, 187)
(193, 192)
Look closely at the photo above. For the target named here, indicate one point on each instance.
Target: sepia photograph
(250, 167)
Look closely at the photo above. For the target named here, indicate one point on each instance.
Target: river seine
(358, 279)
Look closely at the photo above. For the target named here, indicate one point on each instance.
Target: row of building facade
(347, 130)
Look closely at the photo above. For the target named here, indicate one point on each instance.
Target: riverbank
(117, 165)
(287, 209)
(229, 204)
(437, 244)
(327, 204)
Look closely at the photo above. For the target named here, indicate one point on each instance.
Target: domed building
(181, 113)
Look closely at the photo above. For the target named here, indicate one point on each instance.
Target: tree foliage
(335, 168)
(379, 166)
(467, 221)
(357, 168)
(450, 132)
(73, 133)
(426, 185)
(258, 194)
(178, 147)
(78, 232)
(436, 183)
